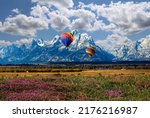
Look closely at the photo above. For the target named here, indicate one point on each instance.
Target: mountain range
(41, 51)
(125, 49)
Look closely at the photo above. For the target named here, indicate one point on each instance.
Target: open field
(76, 85)
(81, 72)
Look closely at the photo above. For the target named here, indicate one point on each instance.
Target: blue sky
(25, 19)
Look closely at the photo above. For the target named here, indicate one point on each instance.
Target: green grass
(134, 87)
(79, 87)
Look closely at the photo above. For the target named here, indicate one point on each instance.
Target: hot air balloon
(90, 51)
(66, 38)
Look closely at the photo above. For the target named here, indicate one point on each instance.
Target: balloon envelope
(90, 51)
(66, 38)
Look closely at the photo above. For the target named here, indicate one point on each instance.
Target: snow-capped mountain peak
(38, 50)
(37, 42)
(40, 42)
(54, 51)
(81, 40)
(125, 49)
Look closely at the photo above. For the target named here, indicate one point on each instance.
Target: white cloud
(16, 11)
(79, 19)
(114, 42)
(0, 24)
(144, 47)
(58, 21)
(56, 3)
(26, 41)
(124, 48)
(85, 20)
(23, 25)
(124, 18)
(39, 11)
(145, 43)
(86, 25)
(4, 43)
(72, 18)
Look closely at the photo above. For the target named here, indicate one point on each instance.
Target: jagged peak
(81, 40)
(55, 39)
(38, 42)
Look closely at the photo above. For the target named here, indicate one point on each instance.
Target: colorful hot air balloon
(66, 38)
(90, 51)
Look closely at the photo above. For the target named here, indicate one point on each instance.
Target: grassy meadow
(78, 85)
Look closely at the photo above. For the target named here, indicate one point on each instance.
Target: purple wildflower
(114, 93)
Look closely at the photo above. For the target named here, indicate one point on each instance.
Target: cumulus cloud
(82, 20)
(145, 43)
(16, 11)
(23, 25)
(79, 19)
(116, 39)
(71, 18)
(85, 20)
(39, 11)
(86, 25)
(144, 47)
(120, 18)
(124, 18)
(114, 42)
(59, 22)
(56, 3)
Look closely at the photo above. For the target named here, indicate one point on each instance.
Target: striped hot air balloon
(66, 38)
(90, 51)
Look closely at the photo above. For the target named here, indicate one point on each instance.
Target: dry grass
(85, 72)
